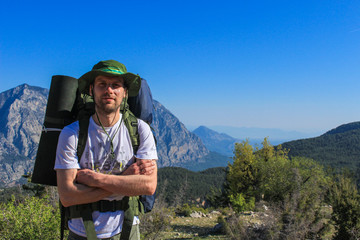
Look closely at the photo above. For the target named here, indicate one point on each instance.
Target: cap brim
(132, 81)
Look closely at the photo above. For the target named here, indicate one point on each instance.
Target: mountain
(339, 147)
(21, 116)
(22, 110)
(217, 142)
(175, 144)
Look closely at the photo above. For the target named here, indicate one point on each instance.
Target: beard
(107, 108)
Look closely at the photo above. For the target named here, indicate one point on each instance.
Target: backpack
(66, 105)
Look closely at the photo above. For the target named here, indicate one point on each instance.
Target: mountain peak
(206, 132)
(218, 142)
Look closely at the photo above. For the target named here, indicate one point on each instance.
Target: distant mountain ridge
(217, 142)
(339, 147)
(22, 110)
(257, 135)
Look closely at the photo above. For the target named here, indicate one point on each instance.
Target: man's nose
(109, 87)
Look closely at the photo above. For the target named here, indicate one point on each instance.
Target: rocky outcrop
(22, 112)
(176, 145)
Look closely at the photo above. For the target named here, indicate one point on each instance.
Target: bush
(345, 201)
(33, 218)
(240, 204)
(233, 227)
(156, 221)
(185, 210)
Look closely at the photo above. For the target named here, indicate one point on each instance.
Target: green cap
(110, 68)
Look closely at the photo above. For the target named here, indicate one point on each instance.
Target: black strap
(83, 133)
(130, 206)
(101, 206)
(62, 221)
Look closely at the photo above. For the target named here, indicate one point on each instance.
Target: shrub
(345, 201)
(33, 218)
(185, 210)
(156, 221)
(240, 204)
(233, 227)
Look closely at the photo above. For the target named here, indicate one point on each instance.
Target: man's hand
(88, 177)
(141, 167)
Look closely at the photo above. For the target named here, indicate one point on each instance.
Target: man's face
(108, 93)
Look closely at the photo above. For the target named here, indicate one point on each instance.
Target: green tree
(242, 168)
(274, 175)
(241, 176)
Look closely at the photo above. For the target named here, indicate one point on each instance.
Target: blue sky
(271, 64)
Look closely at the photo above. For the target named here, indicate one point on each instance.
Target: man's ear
(91, 89)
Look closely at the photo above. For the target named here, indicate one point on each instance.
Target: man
(108, 169)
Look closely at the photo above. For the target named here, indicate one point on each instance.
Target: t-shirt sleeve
(147, 148)
(66, 157)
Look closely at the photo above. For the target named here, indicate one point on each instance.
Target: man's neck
(106, 119)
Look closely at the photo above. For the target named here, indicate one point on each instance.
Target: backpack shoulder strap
(86, 108)
(83, 133)
(131, 123)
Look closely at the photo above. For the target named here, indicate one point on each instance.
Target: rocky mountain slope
(22, 110)
(21, 116)
(176, 145)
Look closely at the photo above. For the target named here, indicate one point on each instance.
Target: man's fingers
(143, 166)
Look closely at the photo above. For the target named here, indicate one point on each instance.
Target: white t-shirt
(97, 156)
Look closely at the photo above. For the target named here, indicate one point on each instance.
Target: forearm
(72, 193)
(80, 194)
(127, 185)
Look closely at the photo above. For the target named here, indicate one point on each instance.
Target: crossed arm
(85, 186)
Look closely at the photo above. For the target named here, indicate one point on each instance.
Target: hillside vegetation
(338, 148)
(178, 185)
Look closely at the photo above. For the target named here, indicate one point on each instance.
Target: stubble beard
(107, 108)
